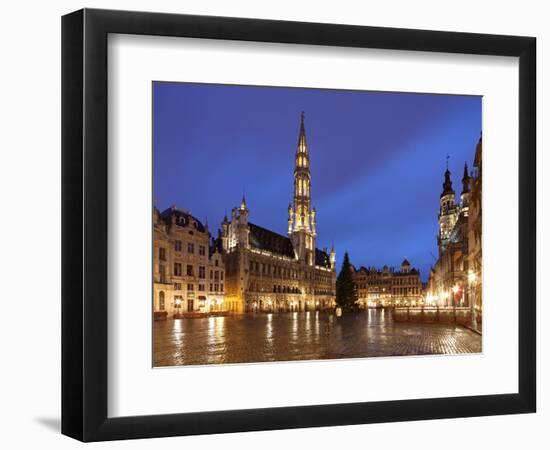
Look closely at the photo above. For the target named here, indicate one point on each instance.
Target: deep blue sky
(377, 161)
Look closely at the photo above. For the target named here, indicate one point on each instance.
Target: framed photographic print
(273, 224)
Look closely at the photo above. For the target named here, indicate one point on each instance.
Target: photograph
(312, 224)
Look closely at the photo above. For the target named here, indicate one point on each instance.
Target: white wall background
(30, 226)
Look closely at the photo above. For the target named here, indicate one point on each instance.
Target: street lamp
(471, 280)
(455, 291)
(177, 302)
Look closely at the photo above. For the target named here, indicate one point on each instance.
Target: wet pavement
(302, 336)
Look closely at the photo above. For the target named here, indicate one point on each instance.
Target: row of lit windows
(362, 284)
(405, 291)
(323, 292)
(286, 289)
(257, 287)
(267, 269)
(402, 281)
(162, 300)
(190, 271)
(178, 247)
(413, 290)
(214, 287)
(322, 278)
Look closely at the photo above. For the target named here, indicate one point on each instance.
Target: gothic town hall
(266, 271)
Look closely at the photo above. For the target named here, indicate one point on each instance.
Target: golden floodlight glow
(471, 276)
(455, 289)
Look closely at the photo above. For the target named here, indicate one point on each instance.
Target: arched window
(161, 300)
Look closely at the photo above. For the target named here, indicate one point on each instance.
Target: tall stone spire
(448, 211)
(301, 215)
(302, 182)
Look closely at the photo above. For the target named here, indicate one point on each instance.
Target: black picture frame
(84, 224)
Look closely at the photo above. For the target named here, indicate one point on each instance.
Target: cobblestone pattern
(302, 336)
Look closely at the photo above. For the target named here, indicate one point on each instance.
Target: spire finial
(447, 161)
(243, 202)
(302, 145)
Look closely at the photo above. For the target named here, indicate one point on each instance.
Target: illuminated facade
(474, 233)
(387, 286)
(455, 279)
(188, 269)
(266, 271)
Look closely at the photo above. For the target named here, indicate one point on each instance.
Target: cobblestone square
(303, 336)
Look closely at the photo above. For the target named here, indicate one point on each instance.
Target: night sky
(377, 161)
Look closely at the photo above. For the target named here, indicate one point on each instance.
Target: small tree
(346, 295)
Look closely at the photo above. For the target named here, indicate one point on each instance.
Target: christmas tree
(346, 295)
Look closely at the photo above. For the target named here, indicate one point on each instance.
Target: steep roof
(322, 258)
(264, 239)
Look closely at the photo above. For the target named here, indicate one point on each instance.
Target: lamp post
(177, 302)
(455, 291)
(471, 281)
